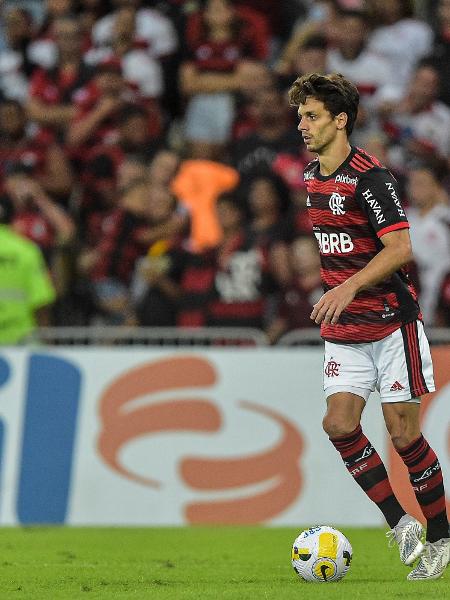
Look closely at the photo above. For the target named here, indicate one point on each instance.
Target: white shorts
(399, 366)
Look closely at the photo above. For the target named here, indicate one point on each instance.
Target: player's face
(317, 126)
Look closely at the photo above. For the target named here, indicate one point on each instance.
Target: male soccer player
(369, 317)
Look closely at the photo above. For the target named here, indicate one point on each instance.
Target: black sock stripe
(426, 498)
(371, 477)
(412, 448)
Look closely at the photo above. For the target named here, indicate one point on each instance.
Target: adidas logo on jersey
(308, 201)
(396, 387)
(346, 179)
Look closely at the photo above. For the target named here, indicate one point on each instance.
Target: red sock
(365, 466)
(426, 479)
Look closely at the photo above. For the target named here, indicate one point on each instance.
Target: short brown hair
(337, 94)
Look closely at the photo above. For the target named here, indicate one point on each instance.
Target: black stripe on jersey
(354, 231)
(368, 316)
(321, 201)
(353, 261)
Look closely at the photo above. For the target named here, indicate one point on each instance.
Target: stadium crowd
(149, 151)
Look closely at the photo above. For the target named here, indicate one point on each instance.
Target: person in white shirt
(429, 218)
(400, 38)
(418, 123)
(152, 28)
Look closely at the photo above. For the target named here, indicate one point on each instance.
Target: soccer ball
(321, 554)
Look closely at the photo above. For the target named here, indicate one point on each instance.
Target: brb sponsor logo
(334, 243)
(173, 396)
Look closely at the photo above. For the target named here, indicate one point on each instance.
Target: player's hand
(329, 308)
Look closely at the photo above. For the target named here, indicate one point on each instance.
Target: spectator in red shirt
(156, 283)
(36, 151)
(135, 138)
(221, 45)
(302, 293)
(101, 106)
(37, 216)
(109, 264)
(53, 90)
(268, 197)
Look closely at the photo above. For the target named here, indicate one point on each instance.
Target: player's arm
(379, 197)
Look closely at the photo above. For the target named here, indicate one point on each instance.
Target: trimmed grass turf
(192, 563)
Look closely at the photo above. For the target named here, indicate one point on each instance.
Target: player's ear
(341, 120)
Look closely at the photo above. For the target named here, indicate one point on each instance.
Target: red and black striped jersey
(350, 210)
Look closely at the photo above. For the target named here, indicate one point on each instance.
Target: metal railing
(152, 336)
(195, 336)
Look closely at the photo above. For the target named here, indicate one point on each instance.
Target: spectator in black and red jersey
(104, 110)
(305, 289)
(222, 43)
(268, 199)
(53, 90)
(243, 280)
(36, 151)
(273, 145)
(109, 264)
(99, 198)
(156, 288)
(15, 64)
(134, 138)
(37, 216)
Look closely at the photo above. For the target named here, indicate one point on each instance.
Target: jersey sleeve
(378, 195)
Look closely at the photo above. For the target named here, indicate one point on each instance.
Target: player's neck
(333, 156)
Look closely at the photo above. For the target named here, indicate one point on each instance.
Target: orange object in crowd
(197, 186)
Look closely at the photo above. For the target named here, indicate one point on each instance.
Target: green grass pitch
(245, 563)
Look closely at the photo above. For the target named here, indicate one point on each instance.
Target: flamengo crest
(336, 204)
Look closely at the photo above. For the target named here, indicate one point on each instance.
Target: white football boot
(407, 534)
(433, 561)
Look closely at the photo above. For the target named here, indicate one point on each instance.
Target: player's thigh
(343, 415)
(404, 366)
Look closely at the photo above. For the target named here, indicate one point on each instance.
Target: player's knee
(337, 425)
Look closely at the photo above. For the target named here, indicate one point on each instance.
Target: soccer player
(369, 317)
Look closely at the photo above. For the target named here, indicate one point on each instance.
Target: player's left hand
(329, 308)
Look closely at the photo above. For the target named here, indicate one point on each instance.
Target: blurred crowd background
(149, 155)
